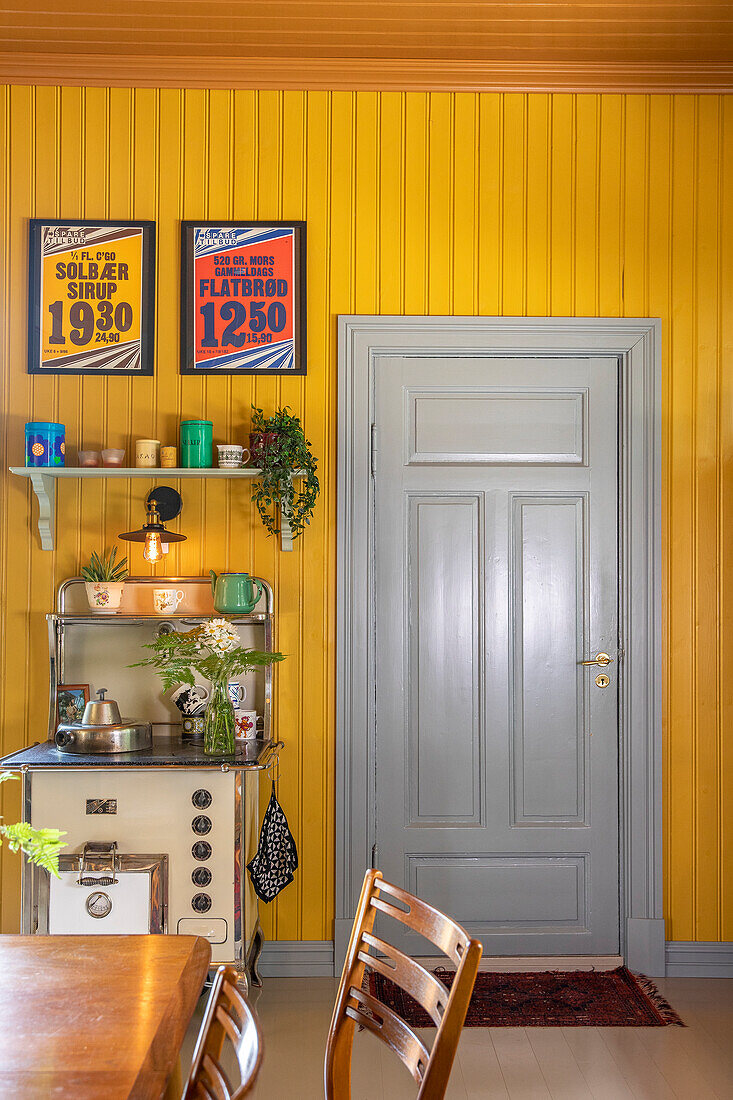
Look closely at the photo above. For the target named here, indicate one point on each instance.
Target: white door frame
(636, 342)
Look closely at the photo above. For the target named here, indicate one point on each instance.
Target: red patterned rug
(577, 998)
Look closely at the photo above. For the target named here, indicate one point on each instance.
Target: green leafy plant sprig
(179, 656)
(41, 846)
(275, 487)
(105, 568)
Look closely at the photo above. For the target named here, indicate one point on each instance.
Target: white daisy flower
(219, 635)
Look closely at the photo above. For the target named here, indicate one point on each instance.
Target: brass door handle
(599, 659)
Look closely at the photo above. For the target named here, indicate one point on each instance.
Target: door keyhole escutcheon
(602, 681)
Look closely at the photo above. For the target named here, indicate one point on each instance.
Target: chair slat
(391, 1029)
(217, 1077)
(228, 1024)
(443, 932)
(408, 975)
(235, 998)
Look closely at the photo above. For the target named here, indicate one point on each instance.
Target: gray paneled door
(496, 575)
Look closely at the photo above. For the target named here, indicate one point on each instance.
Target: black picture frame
(244, 360)
(132, 361)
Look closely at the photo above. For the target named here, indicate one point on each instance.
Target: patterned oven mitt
(272, 867)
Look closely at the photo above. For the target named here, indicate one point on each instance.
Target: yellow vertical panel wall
(416, 203)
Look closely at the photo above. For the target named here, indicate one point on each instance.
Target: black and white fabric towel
(272, 867)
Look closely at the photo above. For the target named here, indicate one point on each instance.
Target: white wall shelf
(44, 478)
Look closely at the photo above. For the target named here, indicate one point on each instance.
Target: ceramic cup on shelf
(245, 724)
(112, 456)
(166, 600)
(231, 456)
(190, 698)
(147, 453)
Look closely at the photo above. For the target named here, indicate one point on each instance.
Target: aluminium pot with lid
(103, 730)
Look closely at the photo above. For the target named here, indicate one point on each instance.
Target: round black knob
(201, 850)
(201, 903)
(201, 799)
(201, 876)
(201, 825)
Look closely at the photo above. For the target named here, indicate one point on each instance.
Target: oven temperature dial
(201, 799)
(201, 903)
(99, 904)
(201, 850)
(201, 825)
(201, 876)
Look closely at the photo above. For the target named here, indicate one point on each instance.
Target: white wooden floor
(693, 1063)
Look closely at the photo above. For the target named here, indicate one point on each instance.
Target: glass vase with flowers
(213, 651)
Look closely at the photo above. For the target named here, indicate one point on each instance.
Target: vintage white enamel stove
(157, 839)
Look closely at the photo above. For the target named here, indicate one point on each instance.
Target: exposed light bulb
(153, 550)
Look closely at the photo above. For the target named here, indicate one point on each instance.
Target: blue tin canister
(45, 444)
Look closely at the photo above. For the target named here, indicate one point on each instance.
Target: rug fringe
(662, 1005)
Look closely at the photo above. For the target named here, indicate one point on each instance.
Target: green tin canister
(197, 444)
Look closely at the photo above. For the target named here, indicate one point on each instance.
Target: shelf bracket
(44, 486)
(286, 535)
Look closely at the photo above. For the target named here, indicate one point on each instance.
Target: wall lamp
(162, 504)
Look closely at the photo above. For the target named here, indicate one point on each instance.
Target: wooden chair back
(355, 1007)
(229, 1016)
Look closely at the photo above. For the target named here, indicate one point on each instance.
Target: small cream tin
(147, 453)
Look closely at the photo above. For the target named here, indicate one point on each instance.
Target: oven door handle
(90, 859)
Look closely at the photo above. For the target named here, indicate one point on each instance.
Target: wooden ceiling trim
(391, 74)
(325, 43)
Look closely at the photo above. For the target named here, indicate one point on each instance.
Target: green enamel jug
(235, 593)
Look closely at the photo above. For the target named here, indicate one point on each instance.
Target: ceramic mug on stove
(245, 724)
(189, 698)
(192, 727)
(237, 693)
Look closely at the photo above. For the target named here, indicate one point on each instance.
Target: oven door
(133, 901)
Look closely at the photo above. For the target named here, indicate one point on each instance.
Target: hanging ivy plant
(278, 447)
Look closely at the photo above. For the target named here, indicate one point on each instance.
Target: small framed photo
(70, 702)
(92, 297)
(243, 298)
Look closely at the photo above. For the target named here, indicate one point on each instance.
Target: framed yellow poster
(91, 301)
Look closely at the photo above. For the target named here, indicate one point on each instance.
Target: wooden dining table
(95, 1016)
